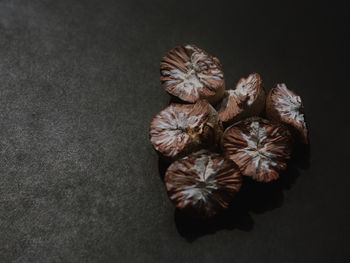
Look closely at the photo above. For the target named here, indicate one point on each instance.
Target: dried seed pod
(246, 100)
(183, 128)
(260, 148)
(190, 74)
(284, 105)
(202, 183)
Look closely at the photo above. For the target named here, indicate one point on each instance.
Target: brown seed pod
(202, 183)
(260, 148)
(190, 74)
(183, 128)
(284, 105)
(246, 100)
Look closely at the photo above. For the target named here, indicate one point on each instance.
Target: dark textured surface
(79, 85)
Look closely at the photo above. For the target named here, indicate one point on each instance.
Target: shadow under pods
(253, 198)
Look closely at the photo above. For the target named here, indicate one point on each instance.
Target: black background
(79, 85)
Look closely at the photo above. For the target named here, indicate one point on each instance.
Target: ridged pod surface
(285, 106)
(246, 100)
(183, 128)
(190, 74)
(202, 183)
(260, 149)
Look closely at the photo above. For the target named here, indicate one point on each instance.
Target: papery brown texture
(260, 149)
(246, 100)
(190, 74)
(202, 183)
(285, 106)
(183, 128)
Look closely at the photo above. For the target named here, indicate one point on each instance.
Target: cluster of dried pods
(207, 162)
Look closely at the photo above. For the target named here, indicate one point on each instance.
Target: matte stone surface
(79, 85)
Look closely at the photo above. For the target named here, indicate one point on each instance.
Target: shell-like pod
(202, 183)
(246, 100)
(260, 149)
(285, 106)
(180, 129)
(190, 74)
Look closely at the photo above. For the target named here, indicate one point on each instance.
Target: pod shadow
(254, 198)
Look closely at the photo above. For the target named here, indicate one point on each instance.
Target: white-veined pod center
(289, 105)
(173, 128)
(257, 147)
(205, 182)
(246, 88)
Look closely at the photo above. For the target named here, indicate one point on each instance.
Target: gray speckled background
(79, 84)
